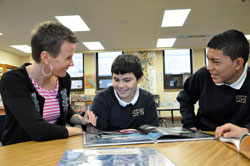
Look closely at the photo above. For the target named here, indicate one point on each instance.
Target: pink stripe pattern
(51, 109)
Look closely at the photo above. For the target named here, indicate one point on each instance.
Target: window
(104, 62)
(76, 73)
(177, 67)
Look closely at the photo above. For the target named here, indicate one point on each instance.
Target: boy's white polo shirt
(123, 103)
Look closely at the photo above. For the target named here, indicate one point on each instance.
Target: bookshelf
(81, 102)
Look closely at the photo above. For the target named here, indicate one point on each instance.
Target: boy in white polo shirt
(124, 105)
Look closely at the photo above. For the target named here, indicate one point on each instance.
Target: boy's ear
(239, 63)
(140, 79)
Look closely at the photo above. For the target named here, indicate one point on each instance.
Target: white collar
(123, 103)
(239, 82)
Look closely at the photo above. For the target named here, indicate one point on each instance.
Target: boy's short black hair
(233, 43)
(127, 63)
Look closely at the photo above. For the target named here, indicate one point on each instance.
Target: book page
(148, 129)
(162, 134)
(183, 133)
(95, 137)
(151, 131)
(115, 156)
(233, 141)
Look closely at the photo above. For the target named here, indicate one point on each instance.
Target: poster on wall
(149, 70)
(89, 81)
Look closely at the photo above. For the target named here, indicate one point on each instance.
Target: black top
(112, 116)
(217, 104)
(24, 109)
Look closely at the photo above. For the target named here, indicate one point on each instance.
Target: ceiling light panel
(174, 18)
(93, 45)
(248, 37)
(74, 22)
(23, 48)
(167, 42)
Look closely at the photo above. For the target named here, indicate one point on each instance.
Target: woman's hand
(194, 128)
(74, 131)
(89, 117)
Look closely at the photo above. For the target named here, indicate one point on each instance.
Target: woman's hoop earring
(51, 68)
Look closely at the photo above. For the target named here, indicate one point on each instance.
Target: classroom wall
(170, 95)
(89, 69)
(198, 59)
(167, 97)
(12, 59)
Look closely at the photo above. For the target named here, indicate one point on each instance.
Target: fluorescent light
(1, 33)
(173, 18)
(248, 37)
(74, 22)
(93, 45)
(23, 48)
(168, 42)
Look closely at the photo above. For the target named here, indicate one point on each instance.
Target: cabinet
(5, 67)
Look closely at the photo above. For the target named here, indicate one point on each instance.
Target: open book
(241, 145)
(114, 156)
(144, 134)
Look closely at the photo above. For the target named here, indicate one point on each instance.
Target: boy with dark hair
(222, 87)
(124, 105)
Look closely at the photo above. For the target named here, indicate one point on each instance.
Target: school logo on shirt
(138, 112)
(241, 99)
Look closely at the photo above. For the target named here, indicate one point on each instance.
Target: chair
(162, 120)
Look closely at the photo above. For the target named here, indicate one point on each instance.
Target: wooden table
(191, 153)
(168, 108)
